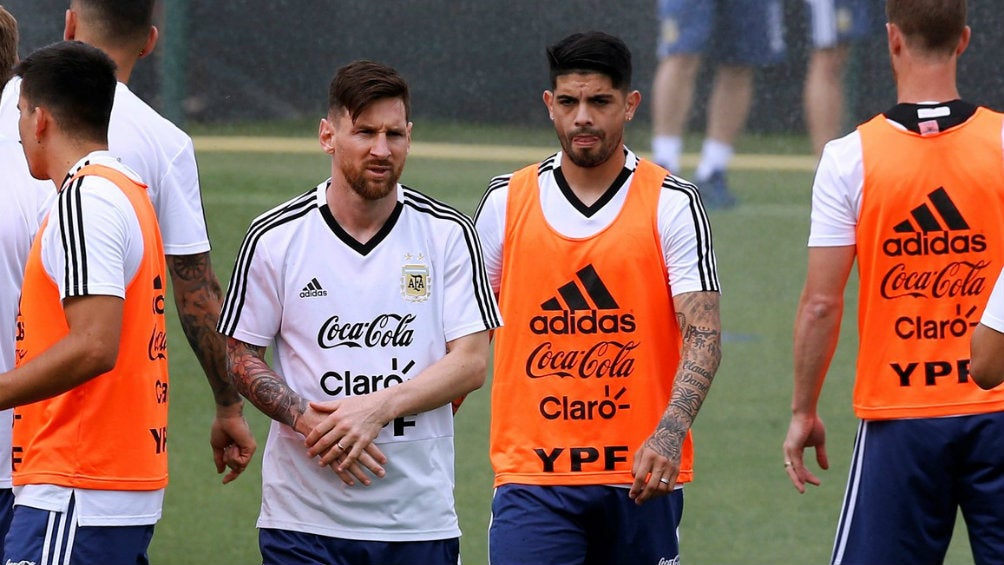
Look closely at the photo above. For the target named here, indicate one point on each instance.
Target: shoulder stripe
(497, 183)
(707, 263)
(71, 231)
(237, 289)
(482, 288)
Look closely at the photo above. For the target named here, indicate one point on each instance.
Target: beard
(591, 157)
(371, 189)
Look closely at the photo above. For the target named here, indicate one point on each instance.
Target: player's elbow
(986, 365)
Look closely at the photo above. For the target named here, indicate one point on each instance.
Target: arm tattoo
(261, 385)
(198, 297)
(700, 326)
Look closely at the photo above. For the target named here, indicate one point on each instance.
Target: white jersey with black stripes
(346, 319)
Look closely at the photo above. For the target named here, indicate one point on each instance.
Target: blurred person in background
(915, 196)
(605, 271)
(834, 25)
(164, 158)
(739, 35)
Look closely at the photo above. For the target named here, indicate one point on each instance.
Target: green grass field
(741, 507)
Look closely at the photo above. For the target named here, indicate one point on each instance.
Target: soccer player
(26, 202)
(605, 272)
(833, 26)
(375, 299)
(164, 158)
(916, 196)
(748, 34)
(90, 387)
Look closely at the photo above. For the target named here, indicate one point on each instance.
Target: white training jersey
(346, 319)
(682, 222)
(836, 192)
(95, 211)
(26, 202)
(158, 151)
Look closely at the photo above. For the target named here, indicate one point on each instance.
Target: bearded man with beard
(605, 273)
(375, 299)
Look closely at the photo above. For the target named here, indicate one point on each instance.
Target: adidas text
(312, 293)
(582, 323)
(938, 243)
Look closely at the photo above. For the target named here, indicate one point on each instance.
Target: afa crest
(415, 279)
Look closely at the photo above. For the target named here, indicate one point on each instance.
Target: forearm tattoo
(198, 297)
(700, 326)
(261, 385)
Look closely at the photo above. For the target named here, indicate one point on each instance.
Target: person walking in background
(90, 386)
(833, 26)
(740, 35)
(916, 195)
(607, 355)
(379, 309)
(26, 202)
(164, 158)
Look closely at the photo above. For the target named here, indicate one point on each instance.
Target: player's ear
(326, 136)
(70, 25)
(549, 102)
(151, 42)
(633, 100)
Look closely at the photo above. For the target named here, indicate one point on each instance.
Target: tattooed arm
(257, 382)
(198, 297)
(659, 457)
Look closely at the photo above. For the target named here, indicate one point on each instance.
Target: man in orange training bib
(90, 390)
(607, 355)
(916, 195)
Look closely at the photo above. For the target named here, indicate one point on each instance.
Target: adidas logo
(577, 315)
(930, 226)
(313, 289)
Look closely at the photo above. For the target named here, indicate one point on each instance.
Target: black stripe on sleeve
(233, 303)
(707, 263)
(482, 288)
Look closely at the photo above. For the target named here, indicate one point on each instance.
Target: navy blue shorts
(285, 547)
(909, 479)
(41, 536)
(833, 22)
(6, 514)
(737, 32)
(582, 525)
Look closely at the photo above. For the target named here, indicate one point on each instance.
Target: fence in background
(473, 61)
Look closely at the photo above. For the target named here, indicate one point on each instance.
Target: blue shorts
(582, 525)
(41, 536)
(736, 32)
(6, 514)
(834, 22)
(909, 479)
(285, 547)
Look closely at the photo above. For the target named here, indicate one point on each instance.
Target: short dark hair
(591, 52)
(934, 26)
(360, 83)
(117, 22)
(75, 83)
(8, 44)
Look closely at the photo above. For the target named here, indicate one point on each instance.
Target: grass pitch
(741, 507)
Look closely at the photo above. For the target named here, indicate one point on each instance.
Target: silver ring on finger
(664, 480)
